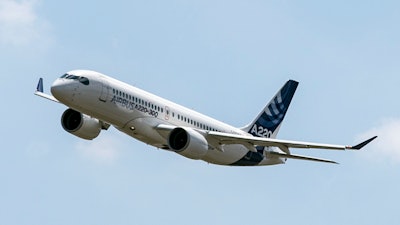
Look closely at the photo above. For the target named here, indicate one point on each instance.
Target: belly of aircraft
(229, 155)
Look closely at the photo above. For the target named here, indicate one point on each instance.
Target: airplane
(96, 101)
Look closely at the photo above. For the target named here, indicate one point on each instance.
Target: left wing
(248, 141)
(218, 139)
(226, 138)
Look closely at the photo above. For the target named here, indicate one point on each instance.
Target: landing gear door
(105, 89)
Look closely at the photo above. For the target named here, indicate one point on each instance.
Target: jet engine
(80, 125)
(188, 143)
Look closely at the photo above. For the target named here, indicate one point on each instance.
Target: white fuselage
(137, 113)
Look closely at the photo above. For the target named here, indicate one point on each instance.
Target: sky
(225, 59)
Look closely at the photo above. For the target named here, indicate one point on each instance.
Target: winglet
(39, 87)
(362, 144)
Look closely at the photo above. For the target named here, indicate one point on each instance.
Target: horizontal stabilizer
(291, 156)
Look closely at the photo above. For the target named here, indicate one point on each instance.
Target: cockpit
(83, 80)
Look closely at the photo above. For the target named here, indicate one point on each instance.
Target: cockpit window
(83, 80)
(72, 77)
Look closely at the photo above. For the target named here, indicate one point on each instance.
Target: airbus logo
(260, 131)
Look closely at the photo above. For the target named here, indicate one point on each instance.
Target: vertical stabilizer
(268, 122)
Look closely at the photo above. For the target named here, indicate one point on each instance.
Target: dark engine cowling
(80, 125)
(188, 143)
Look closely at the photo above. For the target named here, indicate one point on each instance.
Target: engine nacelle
(80, 125)
(188, 143)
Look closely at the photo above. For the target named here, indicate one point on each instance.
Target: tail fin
(268, 122)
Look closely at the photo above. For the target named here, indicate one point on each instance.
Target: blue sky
(225, 59)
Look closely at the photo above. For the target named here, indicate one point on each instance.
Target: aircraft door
(167, 113)
(105, 88)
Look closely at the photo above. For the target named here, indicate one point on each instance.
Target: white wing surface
(225, 138)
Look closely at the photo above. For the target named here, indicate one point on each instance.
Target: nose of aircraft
(59, 89)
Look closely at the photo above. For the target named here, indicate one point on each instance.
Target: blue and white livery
(96, 101)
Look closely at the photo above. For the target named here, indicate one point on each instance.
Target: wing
(225, 138)
(39, 91)
(218, 139)
(284, 145)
